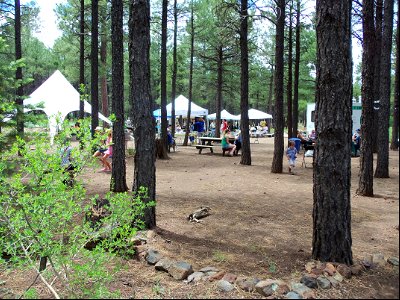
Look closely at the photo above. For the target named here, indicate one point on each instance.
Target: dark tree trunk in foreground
(290, 77)
(103, 61)
(395, 129)
(118, 176)
(244, 86)
(296, 73)
(82, 58)
(332, 171)
(174, 69)
(366, 179)
(218, 106)
(277, 161)
(95, 66)
(382, 164)
(185, 141)
(19, 101)
(142, 105)
(163, 79)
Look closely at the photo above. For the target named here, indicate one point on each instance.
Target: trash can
(297, 143)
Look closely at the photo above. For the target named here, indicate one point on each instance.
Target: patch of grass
(219, 256)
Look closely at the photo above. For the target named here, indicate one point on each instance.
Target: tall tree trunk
(395, 129)
(270, 104)
(277, 161)
(382, 165)
(244, 86)
(82, 86)
(174, 69)
(332, 171)
(95, 66)
(163, 79)
(366, 179)
(118, 176)
(142, 105)
(103, 60)
(290, 76)
(377, 64)
(296, 71)
(218, 106)
(19, 101)
(185, 141)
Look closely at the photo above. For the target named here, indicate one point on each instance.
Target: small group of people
(104, 150)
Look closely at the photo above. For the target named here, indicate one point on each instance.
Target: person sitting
(101, 148)
(305, 142)
(356, 142)
(171, 141)
(238, 143)
(226, 146)
(313, 135)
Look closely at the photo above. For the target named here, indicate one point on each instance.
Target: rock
(180, 270)
(330, 269)
(153, 256)
(323, 282)
(209, 269)
(224, 286)
(247, 284)
(344, 270)
(338, 277)
(293, 295)
(229, 277)
(302, 290)
(164, 264)
(356, 270)
(309, 281)
(217, 276)
(150, 234)
(378, 259)
(393, 261)
(268, 287)
(333, 281)
(196, 276)
(310, 266)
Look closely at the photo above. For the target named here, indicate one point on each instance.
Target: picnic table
(208, 142)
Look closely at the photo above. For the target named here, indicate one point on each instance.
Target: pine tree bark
(244, 85)
(19, 101)
(218, 105)
(118, 175)
(95, 66)
(82, 58)
(296, 72)
(366, 179)
(103, 61)
(395, 129)
(277, 161)
(174, 69)
(163, 79)
(289, 86)
(332, 165)
(382, 164)
(142, 105)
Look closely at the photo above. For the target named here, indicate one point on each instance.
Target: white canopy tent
(224, 115)
(255, 114)
(181, 108)
(59, 98)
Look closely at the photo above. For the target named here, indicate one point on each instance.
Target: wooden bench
(201, 147)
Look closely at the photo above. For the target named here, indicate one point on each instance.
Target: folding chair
(308, 156)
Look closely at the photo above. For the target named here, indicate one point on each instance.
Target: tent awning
(224, 115)
(255, 114)
(181, 108)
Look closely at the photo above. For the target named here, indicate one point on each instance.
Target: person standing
(291, 154)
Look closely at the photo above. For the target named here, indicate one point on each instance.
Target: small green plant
(219, 256)
(31, 294)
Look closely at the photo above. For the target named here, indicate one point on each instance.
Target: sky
(48, 20)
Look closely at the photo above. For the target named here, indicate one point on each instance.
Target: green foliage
(41, 215)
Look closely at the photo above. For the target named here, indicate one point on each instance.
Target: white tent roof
(181, 108)
(255, 114)
(58, 97)
(224, 115)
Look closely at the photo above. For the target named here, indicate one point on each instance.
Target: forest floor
(260, 225)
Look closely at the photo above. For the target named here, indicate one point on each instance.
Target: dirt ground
(260, 226)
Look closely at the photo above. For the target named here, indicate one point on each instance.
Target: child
(291, 154)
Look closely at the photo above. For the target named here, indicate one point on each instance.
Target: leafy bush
(42, 218)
